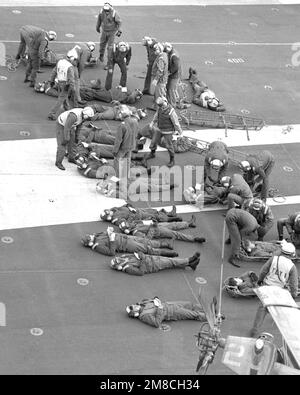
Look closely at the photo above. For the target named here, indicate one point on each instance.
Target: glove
(259, 283)
(85, 144)
(52, 84)
(118, 34)
(18, 57)
(110, 71)
(157, 302)
(98, 30)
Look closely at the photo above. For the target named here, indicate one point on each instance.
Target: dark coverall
(66, 137)
(164, 231)
(264, 218)
(217, 150)
(111, 23)
(160, 74)
(239, 191)
(36, 40)
(150, 264)
(151, 58)
(292, 227)
(261, 167)
(170, 311)
(125, 142)
(167, 123)
(291, 283)
(264, 249)
(121, 213)
(96, 169)
(84, 56)
(122, 59)
(240, 224)
(65, 89)
(174, 69)
(124, 243)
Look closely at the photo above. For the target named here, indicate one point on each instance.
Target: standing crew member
(164, 123)
(263, 214)
(110, 22)
(119, 54)
(278, 271)
(125, 142)
(66, 125)
(64, 72)
(257, 169)
(174, 71)
(153, 311)
(84, 53)
(149, 43)
(36, 40)
(159, 72)
(240, 225)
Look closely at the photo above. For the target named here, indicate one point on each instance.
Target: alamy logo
(2, 54)
(296, 56)
(2, 314)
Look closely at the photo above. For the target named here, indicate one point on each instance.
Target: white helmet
(88, 112)
(107, 6)
(72, 54)
(161, 100)
(168, 46)
(216, 163)
(147, 40)
(52, 35)
(158, 48)
(91, 45)
(226, 181)
(245, 165)
(123, 46)
(288, 248)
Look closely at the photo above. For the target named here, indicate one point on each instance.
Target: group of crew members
(146, 237)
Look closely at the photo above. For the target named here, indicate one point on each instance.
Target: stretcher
(260, 259)
(234, 292)
(224, 120)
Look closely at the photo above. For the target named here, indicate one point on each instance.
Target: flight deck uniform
(170, 311)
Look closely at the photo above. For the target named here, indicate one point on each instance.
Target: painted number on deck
(232, 357)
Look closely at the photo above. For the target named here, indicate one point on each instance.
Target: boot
(200, 239)
(194, 264)
(151, 154)
(232, 261)
(174, 219)
(60, 166)
(168, 253)
(194, 257)
(172, 162)
(173, 212)
(26, 78)
(192, 222)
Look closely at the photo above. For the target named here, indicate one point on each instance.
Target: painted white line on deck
(64, 3)
(190, 208)
(35, 193)
(175, 43)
